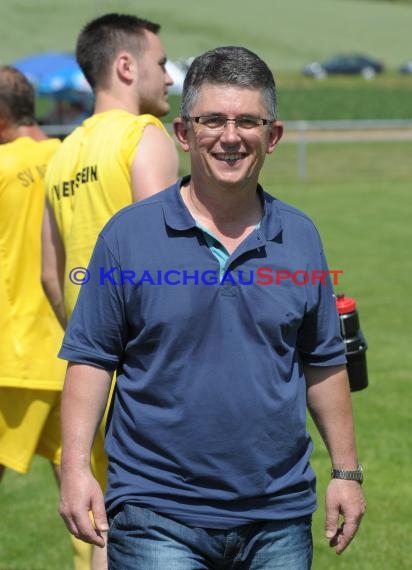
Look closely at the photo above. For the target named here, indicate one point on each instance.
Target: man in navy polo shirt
(217, 353)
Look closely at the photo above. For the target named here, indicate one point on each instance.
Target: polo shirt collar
(178, 217)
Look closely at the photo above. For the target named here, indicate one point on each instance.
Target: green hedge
(301, 98)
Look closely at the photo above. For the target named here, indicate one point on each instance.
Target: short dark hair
(229, 65)
(101, 40)
(17, 98)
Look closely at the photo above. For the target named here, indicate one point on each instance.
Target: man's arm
(53, 262)
(330, 405)
(84, 399)
(155, 165)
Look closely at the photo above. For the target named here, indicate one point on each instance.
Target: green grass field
(300, 98)
(288, 33)
(359, 195)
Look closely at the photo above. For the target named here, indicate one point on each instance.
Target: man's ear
(181, 132)
(125, 66)
(276, 132)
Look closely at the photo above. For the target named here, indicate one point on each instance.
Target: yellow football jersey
(30, 334)
(88, 181)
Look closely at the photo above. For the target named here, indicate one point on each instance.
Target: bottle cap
(345, 304)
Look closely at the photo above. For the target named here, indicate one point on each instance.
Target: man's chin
(162, 110)
(159, 110)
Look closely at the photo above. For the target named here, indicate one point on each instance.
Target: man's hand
(82, 506)
(343, 498)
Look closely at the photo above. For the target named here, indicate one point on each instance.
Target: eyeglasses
(217, 123)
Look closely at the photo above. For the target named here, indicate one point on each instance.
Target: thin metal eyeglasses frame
(259, 122)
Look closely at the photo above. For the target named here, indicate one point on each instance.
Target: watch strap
(354, 475)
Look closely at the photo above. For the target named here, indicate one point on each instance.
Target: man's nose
(168, 79)
(230, 131)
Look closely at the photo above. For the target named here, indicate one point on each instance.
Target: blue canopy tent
(57, 77)
(36, 66)
(69, 78)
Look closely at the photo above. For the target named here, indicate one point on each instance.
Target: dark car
(406, 67)
(351, 64)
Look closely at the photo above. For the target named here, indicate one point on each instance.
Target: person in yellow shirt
(120, 155)
(30, 372)
(30, 333)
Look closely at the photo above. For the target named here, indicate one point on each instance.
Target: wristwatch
(356, 475)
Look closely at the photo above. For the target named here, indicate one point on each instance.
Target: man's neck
(230, 214)
(108, 101)
(16, 132)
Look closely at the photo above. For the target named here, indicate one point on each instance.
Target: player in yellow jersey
(119, 155)
(31, 375)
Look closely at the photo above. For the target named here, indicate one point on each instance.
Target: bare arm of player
(53, 262)
(330, 405)
(85, 394)
(155, 165)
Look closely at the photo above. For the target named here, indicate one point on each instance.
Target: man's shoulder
(49, 147)
(287, 212)
(21, 143)
(25, 152)
(142, 214)
(71, 139)
(62, 154)
(119, 117)
(117, 126)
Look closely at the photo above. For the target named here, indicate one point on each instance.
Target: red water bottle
(355, 343)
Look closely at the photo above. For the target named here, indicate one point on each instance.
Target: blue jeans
(140, 539)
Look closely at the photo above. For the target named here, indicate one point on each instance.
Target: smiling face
(228, 156)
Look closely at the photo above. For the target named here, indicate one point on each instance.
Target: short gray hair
(229, 65)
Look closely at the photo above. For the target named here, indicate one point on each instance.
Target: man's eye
(213, 122)
(247, 122)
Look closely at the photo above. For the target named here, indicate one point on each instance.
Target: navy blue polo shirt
(208, 419)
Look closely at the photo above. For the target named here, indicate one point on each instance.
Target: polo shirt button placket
(228, 288)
